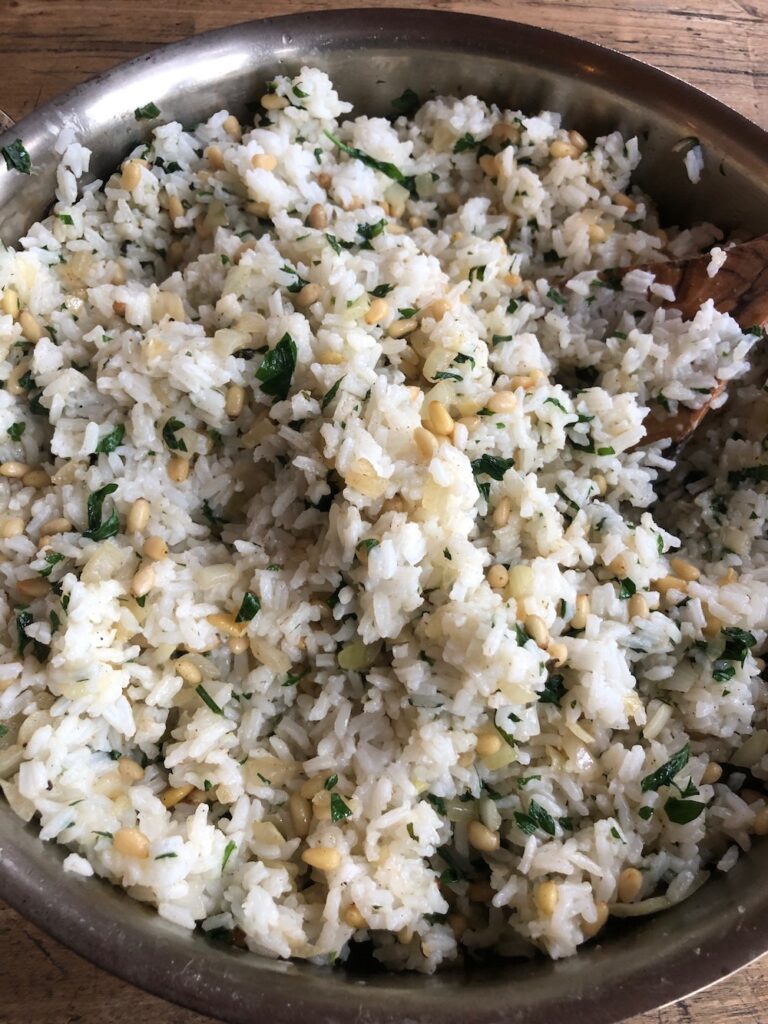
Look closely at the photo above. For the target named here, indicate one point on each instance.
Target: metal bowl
(373, 55)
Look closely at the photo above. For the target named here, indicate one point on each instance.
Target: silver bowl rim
(203, 984)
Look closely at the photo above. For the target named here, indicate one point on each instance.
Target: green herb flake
(17, 158)
(208, 700)
(330, 782)
(249, 606)
(381, 291)
(663, 776)
(406, 104)
(645, 813)
(104, 835)
(493, 466)
(465, 143)
(498, 339)
(737, 644)
(166, 856)
(147, 113)
(556, 297)
(627, 589)
(331, 393)
(16, 430)
(51, 559)
(681, 812)
(276, 370)
(437, 802)
(98, 530)
(229, 849)
(65, 218)
(555, 402)
(378, 165)
(111, 441)
(339, 810)
(173, 443)
(554, 691)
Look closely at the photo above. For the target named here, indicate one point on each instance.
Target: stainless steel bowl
(373, 55)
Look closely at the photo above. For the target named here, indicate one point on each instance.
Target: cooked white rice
(309, 655)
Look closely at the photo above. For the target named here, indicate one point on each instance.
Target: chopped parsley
(17, 158)
(493, 466)
(381, 291)
(276, 370)
(249, 606)
(627, 589)
(229, 849)
(51, 559)
(98, 530)
(465, 143)
(146, 113)
(681, 812)
(208, 700)
(339, 810)
(112, 440)
(406, 104)
(173, 443)
(16, 430)
(330, 782)
(554, 691)
(663, 776)
(65, 219)
(331, 393)
(536, 817)
(378, 165)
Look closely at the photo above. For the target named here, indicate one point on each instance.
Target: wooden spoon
(740, 288)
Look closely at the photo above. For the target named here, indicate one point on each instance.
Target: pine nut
(503, 401)
(312, 787)
(502, 512)
(684, 569)
(324, 180)
(711, 774)
(260, 210)
(12, 527)
(558, 653)
(497, 576)
(621, 200)
(131, 842)
(232, 127)
(300, 810)
(215, 157)
(546, 897)
(638, 607)
(590, 928)
(175, 794)
(143, 581)
(175, 208)
(488, 743)
(596, 233)
(188, 671)
(30, 326)
(36, 478)
(318, 218)
(138, 516)
(458, 925)
(630, 884)
(331, 358)
(234, 400)
(12, 385)
(537, 630)
(437, 309)
(579, 617)
(238, 644)
(119, 308)
(440, 419)
(226, 624)
(729, 576)
(155, 548)
(9, 303)
(309, 293)
(178, 469)
(400, 328)
(324, 858)
(353, 917)
(264, 161)
(620, 566)
(578, 141)
(760, 825)
(489, 165)
(14, 470)
(559, 149)
(129, 770)
(600, 483)
(667, 583)
(377, 310)
(34, 587)
(426, 442)
(131, 175)
(271, 101)
(501, 130)
(54, 526)
(482, 838)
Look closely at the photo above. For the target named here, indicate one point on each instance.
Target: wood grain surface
(47, 46)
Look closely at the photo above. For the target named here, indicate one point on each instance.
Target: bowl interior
(372, 56)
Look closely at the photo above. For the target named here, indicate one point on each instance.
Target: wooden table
(47, 46)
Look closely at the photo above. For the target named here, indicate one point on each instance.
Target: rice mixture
(333, 603)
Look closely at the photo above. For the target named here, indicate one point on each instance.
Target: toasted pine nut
(760, 825)
(711, 774)
(131, 842)
(9, 303)
(596, 233)
(271, 101)
(497, 576)
(175, 208)
(53, 526)
(713, 625)
(215, 157)
(489, 164)
(258, 209)
(502, 401)
(34, 587)
(178, 469)
(579, 617)
(12, 527)
(426, 442)
(324, 858)
(482, 838)
(238, 644)
(155, 548)
(12, 385)
(621, 200)
(437, 309)
(129, 770)
(600, 483)
(264, 161)
(324, 180)
(400, 328)
(234, 400)
(502, 512)
(226, 624)
(546, 896)
(558, 653)
(143, 580)
(131, 175)
(318, 218)
(620, 566)
(377, 310)
(590, 928)
(14, 470)
(175, 794)
(488, 743)
(30, 326)
(119, 308)
(667, 583)
(440, 419)
(682, 568)
(331, 358)
(537, 630)
(309, 293)
(578, 141)
(729, 576)
(353, 917)
(638, 607)
(559, 149)
(630, 884)
(300, 810)
(502, 130)
(36, 478)
(188, 671)
(232, 127)
(138, 516)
